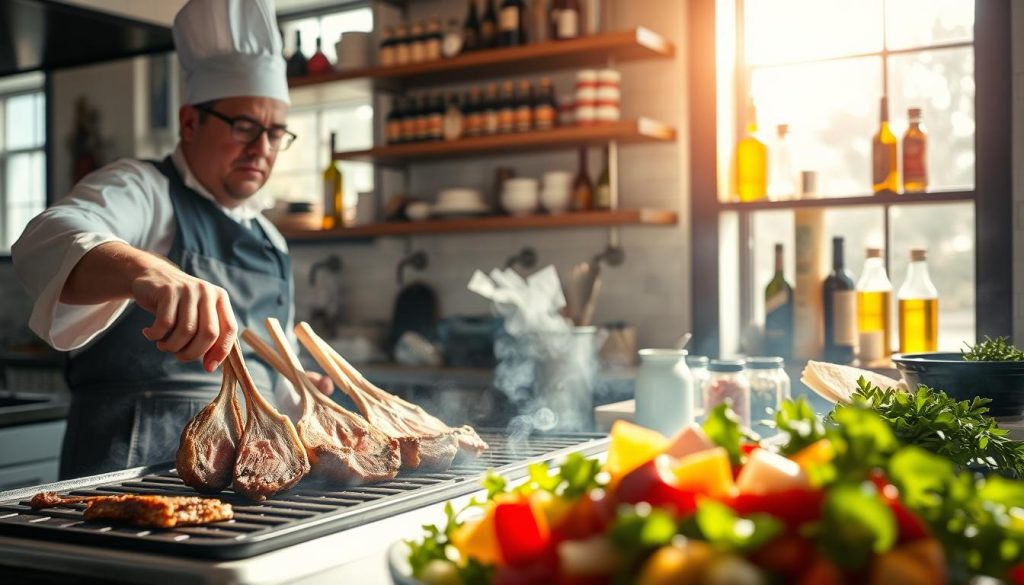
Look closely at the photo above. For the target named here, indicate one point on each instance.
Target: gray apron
(129, 400)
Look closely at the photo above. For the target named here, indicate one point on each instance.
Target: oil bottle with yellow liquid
(751, 162)
(874, 299)
(918, 307)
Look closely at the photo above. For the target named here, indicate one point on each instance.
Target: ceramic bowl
(556, 199)
(557, 179)
(519, 201)
(456, 199)
(418, 210)
(1003, 382)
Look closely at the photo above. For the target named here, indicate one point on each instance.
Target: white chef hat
(230, 48)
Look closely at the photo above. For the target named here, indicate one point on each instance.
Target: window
(820, 66)
(315, 115)
(22, 155)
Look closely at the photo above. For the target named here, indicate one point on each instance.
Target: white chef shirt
(126, 201)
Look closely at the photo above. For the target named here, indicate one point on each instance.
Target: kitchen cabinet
(30, 453)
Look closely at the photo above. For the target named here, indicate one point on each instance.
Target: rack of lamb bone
(341, 446)
(427, 443)
(209, 442)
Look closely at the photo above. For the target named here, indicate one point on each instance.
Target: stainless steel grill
(310, 510)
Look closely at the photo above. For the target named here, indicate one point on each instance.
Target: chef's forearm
(106, 273)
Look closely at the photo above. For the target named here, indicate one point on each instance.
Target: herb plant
(993, 350)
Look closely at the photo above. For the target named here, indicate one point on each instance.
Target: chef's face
(232, 170)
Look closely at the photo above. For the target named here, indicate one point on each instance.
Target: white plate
(398, 564)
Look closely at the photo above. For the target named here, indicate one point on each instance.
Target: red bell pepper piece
(523, 535)
(910, 526)
(1016, 574)
(793, 507)
(654, 483)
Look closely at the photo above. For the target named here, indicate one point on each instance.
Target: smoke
(546, 367)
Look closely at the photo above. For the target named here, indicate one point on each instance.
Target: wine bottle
(471, 29)
(297, 64)
(524, 106)
(568, 25)
(334, 206)
(778, 312)
(511, 23)
(489, 27)
(885, 177)
(918, 307)
(603, 190)
(318, 63)
(874, 296)
(582, 188)
(840, 304)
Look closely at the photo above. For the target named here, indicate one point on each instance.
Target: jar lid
(726, 365)
(697, 360)
(765, 363)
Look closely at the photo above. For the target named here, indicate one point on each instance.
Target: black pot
(1002, 382)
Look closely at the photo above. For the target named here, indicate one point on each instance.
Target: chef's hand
(192, 318)
(323, 383)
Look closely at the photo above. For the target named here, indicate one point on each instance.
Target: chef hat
(230, 48)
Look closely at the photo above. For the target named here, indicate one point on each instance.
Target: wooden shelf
(626, 131)
(649, 217)
(593, 51)
(832, 202)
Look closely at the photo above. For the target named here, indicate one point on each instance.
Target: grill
(310, 510)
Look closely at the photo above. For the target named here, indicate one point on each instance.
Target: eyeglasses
(245, 130)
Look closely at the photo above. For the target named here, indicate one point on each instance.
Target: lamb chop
(341, 446)
(270, 456)
(209, 442)
(143, 510)
(425, 437)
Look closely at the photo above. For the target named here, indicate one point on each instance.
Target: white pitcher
(664, 390)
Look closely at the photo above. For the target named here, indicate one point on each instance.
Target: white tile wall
(650, 290)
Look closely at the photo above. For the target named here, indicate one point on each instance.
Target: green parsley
(993, 350)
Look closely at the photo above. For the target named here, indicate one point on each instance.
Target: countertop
(19, 408)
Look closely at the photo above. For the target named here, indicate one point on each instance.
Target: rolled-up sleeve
(125, 201)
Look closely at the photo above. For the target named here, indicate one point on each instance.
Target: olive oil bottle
(885, 176)
(918, 307)
(334, 206)
(915, 143)
(874, 297)
(751, 162)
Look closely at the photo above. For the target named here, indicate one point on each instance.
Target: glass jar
(698, 365)
(769, 386)
(728, 382)
(664, 391)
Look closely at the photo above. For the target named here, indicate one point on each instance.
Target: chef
(146, 270)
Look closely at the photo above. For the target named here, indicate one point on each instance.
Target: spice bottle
(727, 382)
(664, 390)
(769, 386)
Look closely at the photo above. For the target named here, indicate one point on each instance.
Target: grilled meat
(270, 456)
(143, 510)
(209, 442)
(340, 445)
(427, 442)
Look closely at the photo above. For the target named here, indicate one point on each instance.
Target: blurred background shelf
(827, 202)
(625, 132)
(593, 51)
(649, 217)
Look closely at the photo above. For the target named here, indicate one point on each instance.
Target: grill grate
(310, 510)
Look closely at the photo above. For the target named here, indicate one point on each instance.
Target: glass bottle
(297, 64)
(491, 107)
(417, 42)
(507, 108)
(751, 162)
(434, 39)
(386, 53)
(403, 46)
(436, 118)
(489, 27)
(778, 311)
(603, 190)
(664, 391)
(471, 28)
(524, 106)
(408, 119)
(539, 20)
(782, 171)
(318, 63)
(874, 297)
(422, 118)
(511, 23)
(918, 303)
(474, 113)
(334, 206)
(582, 188)
(885, 177)
(915, 149)
(453, 118)
(728, 382)
(769, 386)
(393, 126)
(840, 305)
(568, 23)
(545, 108)
(698, 365)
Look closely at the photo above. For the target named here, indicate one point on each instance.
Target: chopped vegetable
(677, 564)
(727, 531)
(767, 472)
(523, 533)
(689, 440)
(706, 472)
(654, 483)
(631, 446)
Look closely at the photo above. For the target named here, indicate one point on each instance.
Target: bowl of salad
(992, 369)
(836, 500)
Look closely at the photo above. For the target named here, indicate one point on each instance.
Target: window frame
(993, 199)
(6, 154)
